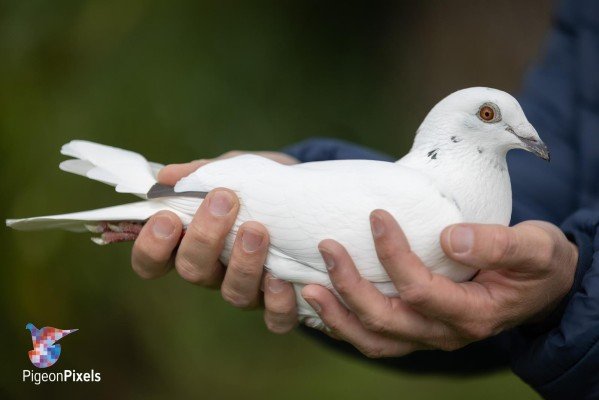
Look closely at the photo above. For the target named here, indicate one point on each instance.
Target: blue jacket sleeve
(320, 149)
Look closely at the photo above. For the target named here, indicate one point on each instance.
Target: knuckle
(147, 253)
(415, 294)
(281, 308)
(342, 287)
(451, 345)
(207, 238)
(446, 341)
(372, 351)
(386, 252)
(237, 299)
(549, 251)
(476, 331)
(148, 263)
(333, 325)
(547, 237)
(141, 270)
(375, 323)
(346, 284)
(546, 257)
(245, 271)
(502, 246)
(189, 271)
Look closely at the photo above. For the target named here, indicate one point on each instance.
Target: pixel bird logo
(45, 352)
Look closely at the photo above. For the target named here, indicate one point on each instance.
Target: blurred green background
(181, 80)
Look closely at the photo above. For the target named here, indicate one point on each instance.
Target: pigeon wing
(304, 204)
(75, 222)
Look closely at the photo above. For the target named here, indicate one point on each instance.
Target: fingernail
(163, 227)
(220, 203)
(329, 261)
(314, 304)
(275, 285)
(461, 239)
(376, 225)
(251, 240)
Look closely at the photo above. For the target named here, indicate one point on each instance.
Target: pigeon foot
(115, 231)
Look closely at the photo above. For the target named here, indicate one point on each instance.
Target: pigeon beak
(537, 148)
(531, 141)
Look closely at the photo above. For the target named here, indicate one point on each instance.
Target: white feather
(76, 222)
(130, 172)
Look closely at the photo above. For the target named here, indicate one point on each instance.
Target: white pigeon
(455, 172)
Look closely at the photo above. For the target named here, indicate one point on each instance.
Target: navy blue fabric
(558, 357)
(321, 149)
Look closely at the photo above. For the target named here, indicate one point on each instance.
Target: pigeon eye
(486, 113)
(489, 113)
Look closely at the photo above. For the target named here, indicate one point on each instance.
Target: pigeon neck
(476, 178)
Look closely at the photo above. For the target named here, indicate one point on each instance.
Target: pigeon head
(30, 327)
(482, 119)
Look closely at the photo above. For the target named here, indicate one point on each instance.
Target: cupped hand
(525, 271)
(195, 256)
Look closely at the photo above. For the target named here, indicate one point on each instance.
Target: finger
(498, 246)
(377, 312)
(280, 308)
(172, 173)
(241, 286)
(197, 257)
(433, 295)
(359, 294)
(346, 325)
(152, 252)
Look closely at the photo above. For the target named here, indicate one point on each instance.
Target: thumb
(497, 246)
(172, 173)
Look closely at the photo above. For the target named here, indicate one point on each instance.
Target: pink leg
(116, 231)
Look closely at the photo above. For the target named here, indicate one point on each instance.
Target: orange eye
(486, 113)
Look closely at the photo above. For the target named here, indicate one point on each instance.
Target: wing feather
(305, 204)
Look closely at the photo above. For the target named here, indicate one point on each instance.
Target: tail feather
(128, 171)
(87, 169)
(76, 222)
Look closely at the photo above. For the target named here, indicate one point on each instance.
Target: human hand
(196, 259)
(525, 271)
